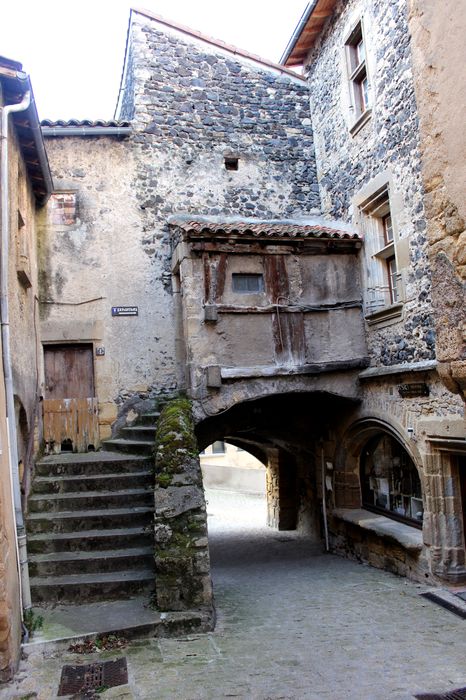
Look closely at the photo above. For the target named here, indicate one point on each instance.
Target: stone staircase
(90, 521)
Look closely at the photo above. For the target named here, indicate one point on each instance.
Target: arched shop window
(390, 481)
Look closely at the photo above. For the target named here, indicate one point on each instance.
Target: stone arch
(22, 435)
(285, 430)
(348, 452)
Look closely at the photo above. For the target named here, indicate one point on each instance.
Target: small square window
(248, 283)
(231, 163)
(218, 447)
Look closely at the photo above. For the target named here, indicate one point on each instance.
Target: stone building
(359, 63)
(275, 246)
(25, 186)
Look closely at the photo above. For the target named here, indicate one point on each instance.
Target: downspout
(21, 551)
(324, 498)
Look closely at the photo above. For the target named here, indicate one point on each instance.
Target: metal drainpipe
(21, 550)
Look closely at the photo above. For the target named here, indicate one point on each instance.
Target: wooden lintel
(308, 246)
(289, 309)
(279, 371)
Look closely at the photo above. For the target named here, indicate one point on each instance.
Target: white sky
(73, 50)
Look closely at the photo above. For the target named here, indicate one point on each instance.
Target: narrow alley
(293, 622)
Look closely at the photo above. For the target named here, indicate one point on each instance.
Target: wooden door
(70, 407)
(69, 371)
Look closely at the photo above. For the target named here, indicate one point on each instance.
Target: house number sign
(125, 311)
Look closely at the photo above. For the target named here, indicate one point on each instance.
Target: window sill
(408, 537)
(361, 121)
(389, 314)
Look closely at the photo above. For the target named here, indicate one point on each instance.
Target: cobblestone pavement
(293, 623)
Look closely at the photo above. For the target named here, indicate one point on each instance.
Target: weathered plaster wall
(387, 143)
(100, 260)
(23, 290)
(252, 338)
(439, 56)
(22, 284)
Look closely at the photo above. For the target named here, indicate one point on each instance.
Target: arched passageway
(287, 433)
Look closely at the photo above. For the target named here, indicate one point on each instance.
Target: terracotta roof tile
(89, 123)
(263, 229)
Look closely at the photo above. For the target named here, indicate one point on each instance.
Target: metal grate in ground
(458, 694)
(105, 674)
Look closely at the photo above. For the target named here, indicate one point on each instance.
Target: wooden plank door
(69, 371)
(70, 407)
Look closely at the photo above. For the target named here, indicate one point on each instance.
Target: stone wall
(414, 423)
(181, 549)
(439, 54)
(193, 104)
(386, 145)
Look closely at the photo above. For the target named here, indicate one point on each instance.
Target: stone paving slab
(293, 623)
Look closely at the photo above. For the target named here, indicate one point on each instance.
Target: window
(392, 279)
(218, 447)
(384, 279)
(248, 283)
(23, 268)
(358, 77)
(231, 163)
(390, 482)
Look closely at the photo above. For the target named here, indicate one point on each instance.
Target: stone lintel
(385, 370)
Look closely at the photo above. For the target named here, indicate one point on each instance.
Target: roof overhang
(307, 32)
(15, 83)
(85, 127)
(205, 233)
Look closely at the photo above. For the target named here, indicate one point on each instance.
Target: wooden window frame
(380, 228)
(247, 277)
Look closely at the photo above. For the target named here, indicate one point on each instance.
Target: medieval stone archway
(380, 498)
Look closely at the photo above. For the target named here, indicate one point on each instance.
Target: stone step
(80, 500)
(138, 447)
(96, 519)
(139, 432)
(148, 418)
(90, 463)
(92, 540)
(79, 562)
(93, 482)
(91, 587)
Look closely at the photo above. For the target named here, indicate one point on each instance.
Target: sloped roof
(307, 31)
(15, 84)
(217, 42)
(203, 226)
